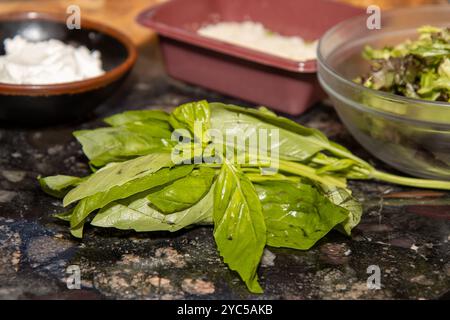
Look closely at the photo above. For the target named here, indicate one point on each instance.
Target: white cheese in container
(47, 62)
(254, 35)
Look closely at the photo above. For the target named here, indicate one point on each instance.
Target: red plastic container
(282, 84)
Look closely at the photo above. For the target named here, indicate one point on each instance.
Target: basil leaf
(58, 186)
(146, 182)
(267, 116)
(152, 127)
(344, 199)
(135, 213)
(183, 193)
(118, 174)
(77, 231)
(297, 142)
(296, 215)
(65, 216)
(107, 145)
(347, 168)
(136, 115)
(189, 116)
(337, 166)
(240, 125)
(239, 228)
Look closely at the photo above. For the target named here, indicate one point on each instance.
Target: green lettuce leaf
(413, 68)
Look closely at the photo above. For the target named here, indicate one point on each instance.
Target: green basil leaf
(183, 193)
(77, 231)
(291, 146)
(135, 213)
(337, 166)
(297, 215)
(239, 228)
(58, 186)
(146, 182)
(344, 199)
(65, 216)
(187, 115)
(151, 127)
(267, 116)
(296, 142)
(340, 167)
(119, 174)
(107, 145)
(136, 115)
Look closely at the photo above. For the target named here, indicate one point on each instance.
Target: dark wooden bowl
(46, 104)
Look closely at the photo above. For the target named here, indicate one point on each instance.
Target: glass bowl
(411, 135)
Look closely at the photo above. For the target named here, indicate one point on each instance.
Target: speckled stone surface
(403, 232)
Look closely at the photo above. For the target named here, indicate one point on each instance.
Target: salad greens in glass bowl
(417, 69)
(390, 86)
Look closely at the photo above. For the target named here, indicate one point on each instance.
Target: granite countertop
(404, 232)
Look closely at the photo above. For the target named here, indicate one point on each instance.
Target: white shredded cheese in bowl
(255, 36)
(47, 62)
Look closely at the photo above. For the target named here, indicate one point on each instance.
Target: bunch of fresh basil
(136, 185)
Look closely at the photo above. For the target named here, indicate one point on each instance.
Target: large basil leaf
(296, 142)
(58, 186)
(140, 184)
(344, 199)
(113, 144)
(297, 215)
(151, 127)
(195, 117)
(183, 193)
(135, 213)
(265, 115)
(123, 118)
(291, 146)
(119, 174)
(239, 228)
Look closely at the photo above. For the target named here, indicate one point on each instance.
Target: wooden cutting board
(120, 14)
